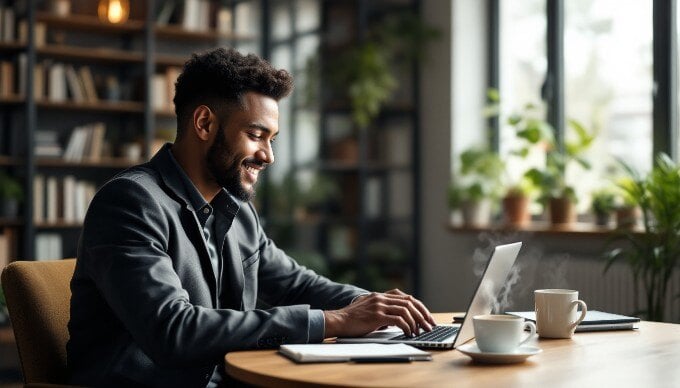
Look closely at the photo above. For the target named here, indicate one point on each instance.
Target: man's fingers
(396, 320)
(417, 309)
(405, 314)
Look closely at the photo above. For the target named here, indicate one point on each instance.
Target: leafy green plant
(321, 189)
(603, 201)
(480, 177)
(550, 179)
(653, 254)
(10, 188)
(367, 71)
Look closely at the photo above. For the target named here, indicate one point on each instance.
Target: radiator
(614, 290)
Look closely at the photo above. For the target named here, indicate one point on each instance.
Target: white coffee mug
(501, 333)
(556, 312)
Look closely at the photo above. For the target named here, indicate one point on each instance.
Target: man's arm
(124, 252)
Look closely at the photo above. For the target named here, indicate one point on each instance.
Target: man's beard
(229, 177)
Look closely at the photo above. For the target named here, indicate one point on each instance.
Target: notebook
(353, 352)
(594, 321)
(451, 336)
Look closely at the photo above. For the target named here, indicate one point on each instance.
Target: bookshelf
(341, 199)
(38, 125)
(365, 232)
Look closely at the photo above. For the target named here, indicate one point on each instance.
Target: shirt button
(206, 210)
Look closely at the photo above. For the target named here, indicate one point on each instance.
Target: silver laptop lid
(490, 284)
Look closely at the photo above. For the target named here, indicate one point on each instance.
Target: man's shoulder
(141, 180)
(142, 175)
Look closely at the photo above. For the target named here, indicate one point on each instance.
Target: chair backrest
(38, 296)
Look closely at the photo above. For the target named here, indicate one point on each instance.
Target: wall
(446, 267)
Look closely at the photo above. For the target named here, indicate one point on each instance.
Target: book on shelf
(196, 15)
(56, 82)
(86, 142)
(47, 144)
(8, 18)
(159, 92)
(6, 78)
(223, 23)
(39, 33)
(38, 198)
(75, 87)
(39, 81)
(87, 80)
(51, 199)
(8, 245)
(4, 251)
(69, 193)
(61, 199)
(165, 12)
(48, 246)
(243, 16)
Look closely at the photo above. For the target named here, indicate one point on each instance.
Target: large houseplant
(652, 255)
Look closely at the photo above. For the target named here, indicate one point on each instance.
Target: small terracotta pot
(562, 211)
(627, 217)
(516, 210)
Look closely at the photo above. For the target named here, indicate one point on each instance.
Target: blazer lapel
(233, 270)
(169, 174)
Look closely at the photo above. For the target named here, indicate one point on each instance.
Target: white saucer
(519, 355)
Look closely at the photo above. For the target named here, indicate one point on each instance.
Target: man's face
(243, 145)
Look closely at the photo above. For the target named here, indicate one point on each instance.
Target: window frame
(665, 73)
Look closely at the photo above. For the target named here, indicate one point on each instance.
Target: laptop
(453, 335)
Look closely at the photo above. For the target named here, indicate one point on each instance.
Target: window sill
(576, 229)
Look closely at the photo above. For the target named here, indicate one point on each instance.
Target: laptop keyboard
(438, 334)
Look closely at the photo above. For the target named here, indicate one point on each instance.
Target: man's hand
(372, 311)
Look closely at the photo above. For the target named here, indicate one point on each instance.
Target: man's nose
(266, 154)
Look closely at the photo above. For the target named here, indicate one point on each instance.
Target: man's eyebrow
(262, 128)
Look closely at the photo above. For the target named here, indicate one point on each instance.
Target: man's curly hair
(220, 77)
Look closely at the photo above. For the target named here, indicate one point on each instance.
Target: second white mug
(556, 312)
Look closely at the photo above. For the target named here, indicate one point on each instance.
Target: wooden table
(648, 357)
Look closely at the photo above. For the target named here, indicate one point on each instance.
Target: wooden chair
(38, 296)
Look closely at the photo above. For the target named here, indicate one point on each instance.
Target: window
(606, 58)
(522, 72)
(608, 82)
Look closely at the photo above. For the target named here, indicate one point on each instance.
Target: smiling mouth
(253, 170)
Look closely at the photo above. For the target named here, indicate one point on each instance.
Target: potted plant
(627, 211)
(517, 194)
(556, 194)
(516, 205)
(11, 194)
(477, 185)
(653, 254)
(603, 205)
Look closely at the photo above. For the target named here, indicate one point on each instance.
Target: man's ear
(201, 120)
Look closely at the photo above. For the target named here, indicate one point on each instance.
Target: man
(173, 261)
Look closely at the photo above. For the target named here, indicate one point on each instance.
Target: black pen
(362, 360)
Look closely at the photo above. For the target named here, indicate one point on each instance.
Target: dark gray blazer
(144, 305)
